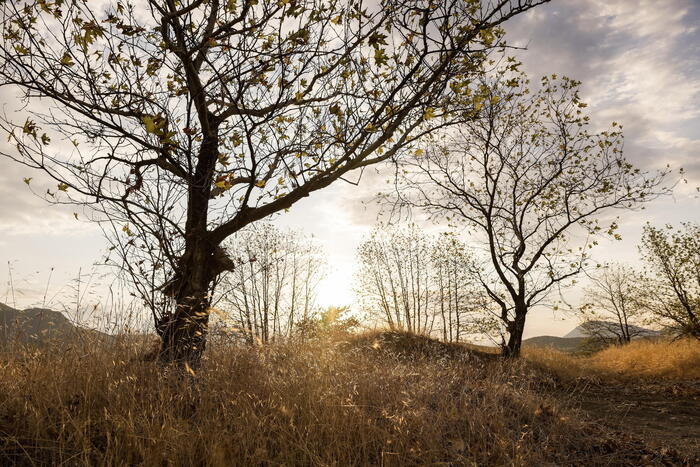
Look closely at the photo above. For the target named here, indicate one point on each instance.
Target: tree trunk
(184, 336)
(515, 332)
(184, 332)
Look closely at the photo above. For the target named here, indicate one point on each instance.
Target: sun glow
(336, 289)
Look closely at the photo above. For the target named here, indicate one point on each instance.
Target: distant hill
(565, 344)
(607, 329)
(578, 339)
(39, 325)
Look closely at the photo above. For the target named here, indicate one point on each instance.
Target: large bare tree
(183, 121)
(531, 181)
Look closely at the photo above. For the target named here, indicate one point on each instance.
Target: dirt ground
(666, 415)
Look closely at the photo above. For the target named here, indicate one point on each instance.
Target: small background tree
(274, 286)
(612, 312)
(394, 282)
(331, 322)
(421, 283)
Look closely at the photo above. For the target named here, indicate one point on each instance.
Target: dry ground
(374, 399)
(648, 389)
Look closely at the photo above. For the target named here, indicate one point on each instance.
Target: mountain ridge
(40, 325)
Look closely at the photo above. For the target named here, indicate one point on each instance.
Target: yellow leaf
(29, 128)
(67, 60)
(27, 180)
(419, 152)
(153, 124)
(429, 113)
(62, 187)
(260, 183)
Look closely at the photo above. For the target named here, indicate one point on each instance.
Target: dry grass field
(642, 359)
(371, 399)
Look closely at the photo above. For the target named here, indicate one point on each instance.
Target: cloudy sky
(639, 62)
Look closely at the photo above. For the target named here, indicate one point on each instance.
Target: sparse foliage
(671, 286)
(531, 182)
(329, 323)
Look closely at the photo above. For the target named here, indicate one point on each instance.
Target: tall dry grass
(377, 399)
(645, 359)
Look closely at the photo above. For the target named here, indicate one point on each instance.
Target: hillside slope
(564, 344)
(608, 328)
(39, 325)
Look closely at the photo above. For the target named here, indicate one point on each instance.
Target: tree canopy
(181, 122)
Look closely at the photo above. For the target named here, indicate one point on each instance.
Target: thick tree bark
(184, 333)
(184, 337)
(515, 332)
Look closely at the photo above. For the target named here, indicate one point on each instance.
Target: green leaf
(376, 39)
(336, 110)
(223, 159)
